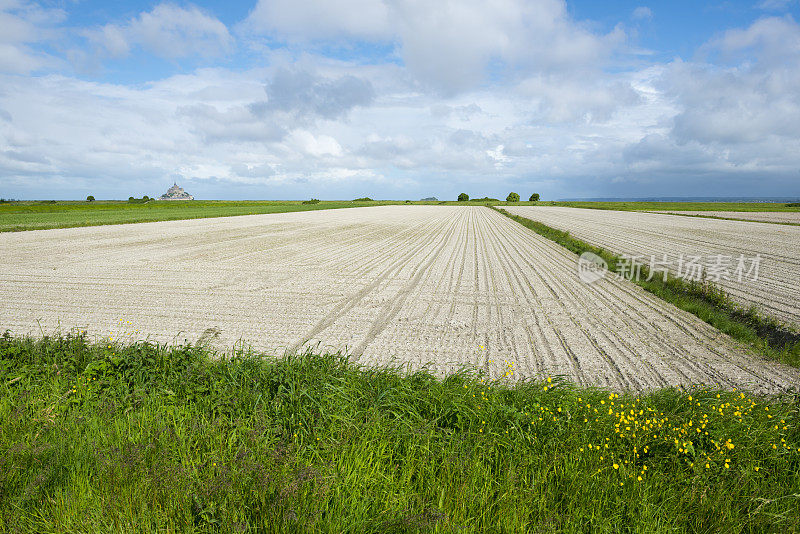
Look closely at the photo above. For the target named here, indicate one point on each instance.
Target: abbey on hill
(176, 193)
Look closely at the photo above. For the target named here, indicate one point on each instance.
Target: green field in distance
(42, 215)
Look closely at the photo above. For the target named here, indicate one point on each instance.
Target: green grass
(17, 216)
(105, 437)
(707, 301)
(678, 206)
(29, 215)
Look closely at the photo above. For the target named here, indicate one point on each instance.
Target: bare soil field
(775, 292)
(761, 216)
(417, 286)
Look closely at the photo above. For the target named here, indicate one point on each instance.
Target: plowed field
(776, 289)
(417, 286)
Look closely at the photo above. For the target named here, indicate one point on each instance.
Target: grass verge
(112, 437)
(706, 300)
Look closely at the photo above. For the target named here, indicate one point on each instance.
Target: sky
(399, 99)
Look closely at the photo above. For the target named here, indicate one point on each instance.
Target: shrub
(463, 197)
(512, 197)
(363, 199)
(793, 205)
(312, 201)
(534, 198)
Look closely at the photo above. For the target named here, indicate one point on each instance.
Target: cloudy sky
(399, 98)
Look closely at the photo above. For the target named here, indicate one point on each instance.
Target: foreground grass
(109, 437)
(707, 301)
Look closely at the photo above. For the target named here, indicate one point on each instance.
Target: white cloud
(776, 5)
(738, 115)
(317, 146)
(23, 24)
(321, 20)
(168, 31)
(450, 45)
(563, 98)
(642, 13)
(304, 95)
(771, 39)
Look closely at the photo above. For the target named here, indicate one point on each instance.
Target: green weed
(112, 437)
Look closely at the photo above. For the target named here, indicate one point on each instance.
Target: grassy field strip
(21, 216)
(43, 215)
(437, 287)
(118, 437)
(775, 217)
(775, 293)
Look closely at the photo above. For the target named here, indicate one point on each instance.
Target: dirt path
(418, 286)
(776, 291)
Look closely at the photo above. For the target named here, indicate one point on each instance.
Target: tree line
(512, 197)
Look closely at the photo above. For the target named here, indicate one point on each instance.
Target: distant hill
(429, 199)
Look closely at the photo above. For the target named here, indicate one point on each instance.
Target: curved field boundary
(418, 287)
(774, 217)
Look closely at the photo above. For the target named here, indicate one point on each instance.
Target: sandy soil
(762, 216)
(417, 286)
(776, 292)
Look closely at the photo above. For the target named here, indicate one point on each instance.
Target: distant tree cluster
(363, 199)
(312, 201)
(512, 197)
(134, 200)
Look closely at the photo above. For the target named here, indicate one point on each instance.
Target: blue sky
(399, 98)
